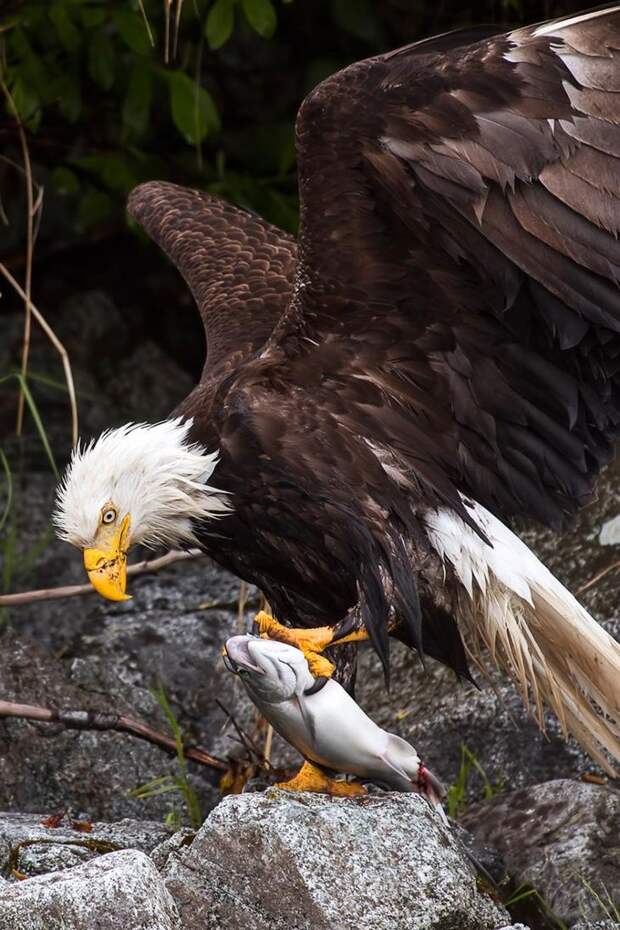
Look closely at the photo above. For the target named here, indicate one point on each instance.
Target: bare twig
(241, 603)
(168, 13)
(245, 739)
(251, 603)
(140, 568)
(29, 252)
(268, 744)
(53, 338)
(96, 720)
(589, 584)
(177, 23)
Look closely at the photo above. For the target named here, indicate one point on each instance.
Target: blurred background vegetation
(202, 92)
(98, 95)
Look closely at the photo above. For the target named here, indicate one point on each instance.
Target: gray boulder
(611, 924)
(119, 891)
(562, 838)
(281, 861)
(30, 846)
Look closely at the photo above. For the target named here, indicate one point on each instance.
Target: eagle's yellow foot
(311, 778)
(311, 642)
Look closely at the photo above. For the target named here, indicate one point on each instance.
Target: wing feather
(239, 268)
(464, 203)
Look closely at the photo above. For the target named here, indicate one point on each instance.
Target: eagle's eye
(109, 515)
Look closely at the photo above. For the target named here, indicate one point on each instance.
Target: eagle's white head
(140, 483)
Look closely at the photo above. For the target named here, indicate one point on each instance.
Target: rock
(277, 861)
(487, 858)
(163, 851)
(611, 924)
(32, 848)
(119, 891)
(562, 838)
(45, 767)
(610, 532)
(146, 385)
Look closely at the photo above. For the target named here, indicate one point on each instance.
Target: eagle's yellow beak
(107, 566)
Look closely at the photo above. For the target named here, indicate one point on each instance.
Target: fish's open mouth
(237, 656)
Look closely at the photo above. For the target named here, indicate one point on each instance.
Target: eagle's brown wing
(239, 268)
(459, 261)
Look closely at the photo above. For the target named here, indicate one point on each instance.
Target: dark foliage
(111, 94)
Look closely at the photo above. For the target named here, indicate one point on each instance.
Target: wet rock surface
(45, 767)
(280, 860)
(30, 845)
(611, 924)
(119, 891)
(562, 838)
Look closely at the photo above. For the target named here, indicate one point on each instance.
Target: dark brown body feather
(449, 326)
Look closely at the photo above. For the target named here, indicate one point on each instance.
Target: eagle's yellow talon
(311, 642)
(319, 666)
(311, 778)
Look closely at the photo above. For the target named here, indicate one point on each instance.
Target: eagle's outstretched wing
(459, 261)
(239, 268)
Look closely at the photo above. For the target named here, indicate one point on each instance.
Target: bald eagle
(440, 351)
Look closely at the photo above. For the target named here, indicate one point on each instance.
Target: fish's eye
(109, 515)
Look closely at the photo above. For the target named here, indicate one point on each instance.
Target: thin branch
(96, 720)
(177, 23)
(241, 604)
(140, 568)
(29, 253)
(598, 577)
(244, 738)
(51, 335)
(168, 12)
(268, 744)
(253, 602)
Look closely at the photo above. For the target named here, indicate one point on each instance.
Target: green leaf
(68, 33)
(101, 60)
(65, 182)
(69, 96)
(30, 67)
(359, 18)
(92, 16)
(95, 206)
(137, 105)
(115, 169)
(133, 31)
(27, 104)
(193, 111)
(261, 16)
(220, 22)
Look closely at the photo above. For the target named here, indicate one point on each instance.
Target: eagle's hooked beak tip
(107, 568)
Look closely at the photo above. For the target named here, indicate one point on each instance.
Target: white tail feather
(534, 629)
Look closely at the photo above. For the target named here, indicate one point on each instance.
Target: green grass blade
(48, 382)
(38, 422)
(9, 489)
